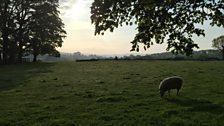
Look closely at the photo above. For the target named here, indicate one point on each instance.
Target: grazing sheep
(169, 83)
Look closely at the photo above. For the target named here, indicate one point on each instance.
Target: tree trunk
(223, 52)
(21, 31)
(5, 49)
(0, 57)
(34, 58)
(35, 49)
(5, 34)
(20, 55)
(12, 52)
(35, 53)
(20, 47)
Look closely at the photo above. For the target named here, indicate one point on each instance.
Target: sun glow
(76, 11)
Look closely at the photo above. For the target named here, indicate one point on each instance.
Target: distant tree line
(29, 27)
(202, 55)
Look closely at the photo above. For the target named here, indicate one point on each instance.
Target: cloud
(66, 4)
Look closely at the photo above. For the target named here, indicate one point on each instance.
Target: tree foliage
(218, 43)
(159, 20)
(29, 27)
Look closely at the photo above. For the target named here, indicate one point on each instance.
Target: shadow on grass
(12, 76)
(198, 105)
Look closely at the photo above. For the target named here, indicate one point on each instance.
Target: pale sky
(80, 34)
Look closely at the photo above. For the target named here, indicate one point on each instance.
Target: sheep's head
(161, 93)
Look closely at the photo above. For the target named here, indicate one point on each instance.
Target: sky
(80, 34)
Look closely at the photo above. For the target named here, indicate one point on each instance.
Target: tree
(14, 17)
(159, 20)
(218, 43)
(47, 29)
(29, 27)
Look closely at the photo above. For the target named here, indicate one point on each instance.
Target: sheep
(174, 82)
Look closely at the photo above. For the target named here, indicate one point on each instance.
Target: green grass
(111, 93)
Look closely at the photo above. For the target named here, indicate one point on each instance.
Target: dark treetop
(29, 27)
(159, 20)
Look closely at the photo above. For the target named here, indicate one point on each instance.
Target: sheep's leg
(177, 92)
(169, 92)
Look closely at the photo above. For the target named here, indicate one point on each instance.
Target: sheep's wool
(174, 82)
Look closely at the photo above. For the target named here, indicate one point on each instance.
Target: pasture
(111, 93)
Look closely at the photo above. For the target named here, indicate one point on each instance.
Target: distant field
(111, 93)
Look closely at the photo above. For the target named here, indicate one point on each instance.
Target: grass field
(111, 93)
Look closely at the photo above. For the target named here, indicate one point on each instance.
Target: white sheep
(174, 82)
